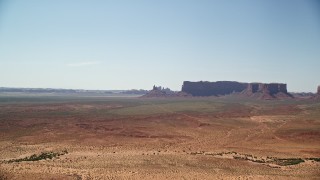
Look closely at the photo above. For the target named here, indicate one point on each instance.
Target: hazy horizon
(102, 45)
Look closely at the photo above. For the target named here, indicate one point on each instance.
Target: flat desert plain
(57, 137)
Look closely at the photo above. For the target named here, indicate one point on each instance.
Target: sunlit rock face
(205, 88)
(272, 88)
(263, 90)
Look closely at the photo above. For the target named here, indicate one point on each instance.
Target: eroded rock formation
(205, 88)
(259, 90)
(267, 91)
(164, 92)
(318, 92)
(272, 88)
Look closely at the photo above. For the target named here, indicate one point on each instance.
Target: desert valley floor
(57, 137)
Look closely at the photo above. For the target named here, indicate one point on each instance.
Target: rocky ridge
(164, 92)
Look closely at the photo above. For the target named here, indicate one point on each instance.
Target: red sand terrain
(136, 138)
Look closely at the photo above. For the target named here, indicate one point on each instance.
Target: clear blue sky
(135, 44)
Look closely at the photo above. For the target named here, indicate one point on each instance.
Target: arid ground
(58, 137)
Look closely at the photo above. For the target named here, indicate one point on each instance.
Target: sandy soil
(120, 140)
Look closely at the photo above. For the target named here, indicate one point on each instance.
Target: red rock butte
(261, 90)
(272, 88)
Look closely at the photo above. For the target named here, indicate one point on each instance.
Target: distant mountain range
(72, 91)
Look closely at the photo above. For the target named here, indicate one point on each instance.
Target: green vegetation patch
(277, 161)
(43, 155)
(249, 157)
(314, 159)
(289, 161)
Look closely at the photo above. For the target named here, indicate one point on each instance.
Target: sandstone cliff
(317, 95)
(267, 91)
(205, 88)
(256, 90)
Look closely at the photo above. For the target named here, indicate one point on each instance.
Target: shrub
(43, 155)
(288, 162)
